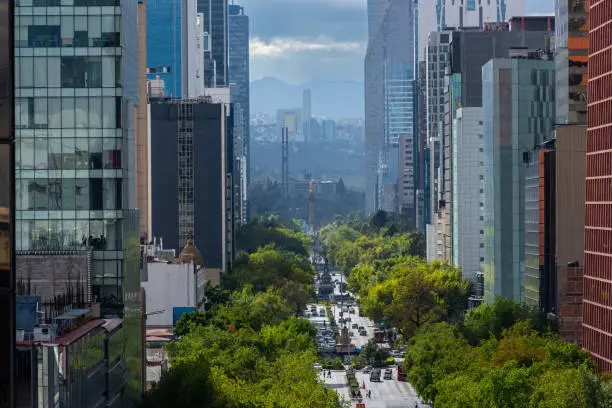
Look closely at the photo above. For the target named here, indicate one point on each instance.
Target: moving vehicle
(367, 369)
(379, 336)
(401, 374)
(375, 375)
(355, 326)
(349, 369)
(317, 366)
(388, 374)
(361, 313)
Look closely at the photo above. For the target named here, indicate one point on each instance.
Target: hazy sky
(301, 40)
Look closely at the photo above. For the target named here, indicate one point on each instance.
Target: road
(385, 394)
(356, 339)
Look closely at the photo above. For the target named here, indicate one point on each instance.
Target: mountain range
(331, 99)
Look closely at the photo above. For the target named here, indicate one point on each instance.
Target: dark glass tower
(239, 80)
(7, 199)
(215, 24)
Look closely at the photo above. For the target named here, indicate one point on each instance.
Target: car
(317, 366)
(355, 326)
(367, 369)
(375, 375)
(351, 310)
(349, 369)
(363, 333)
(388, 374)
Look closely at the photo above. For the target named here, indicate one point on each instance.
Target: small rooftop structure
(191, 254)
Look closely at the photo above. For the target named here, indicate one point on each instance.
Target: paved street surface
(385, 394)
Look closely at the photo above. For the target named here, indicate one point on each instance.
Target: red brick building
(597, 306)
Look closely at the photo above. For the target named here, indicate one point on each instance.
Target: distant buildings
(329, 129)
(174, 32)
(306, 115)
(292, 120)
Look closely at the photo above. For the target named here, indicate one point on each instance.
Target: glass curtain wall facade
(76, 87)
(216, 25)
(519, 114)
(164, 40)
(388, 62)
(7, 197)
(239, 91)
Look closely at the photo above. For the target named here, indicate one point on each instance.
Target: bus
(401, 374)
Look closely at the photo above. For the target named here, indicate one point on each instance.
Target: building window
(44, 36)
(482, 259)
(82, 72)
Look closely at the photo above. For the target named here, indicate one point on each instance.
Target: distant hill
(332, 99)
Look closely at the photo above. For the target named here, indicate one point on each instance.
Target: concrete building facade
(570, 146)
(597, 315)
(192, 190)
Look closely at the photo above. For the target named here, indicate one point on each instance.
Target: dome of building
(191, 254)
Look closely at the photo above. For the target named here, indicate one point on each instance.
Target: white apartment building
(468, 193)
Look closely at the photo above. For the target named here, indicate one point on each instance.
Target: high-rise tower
(216, 56)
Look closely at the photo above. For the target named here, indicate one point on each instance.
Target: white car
(317, 366)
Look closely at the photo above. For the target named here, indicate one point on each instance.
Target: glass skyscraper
(76, 90)
(164, 41)
(216, 25)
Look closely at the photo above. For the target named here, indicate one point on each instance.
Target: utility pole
(285, 161)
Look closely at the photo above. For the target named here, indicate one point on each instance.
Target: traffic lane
(389, 393)
(357, 339)
(337, 382)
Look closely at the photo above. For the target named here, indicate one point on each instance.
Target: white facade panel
(468, 196)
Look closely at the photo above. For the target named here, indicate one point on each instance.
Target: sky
(298, 41)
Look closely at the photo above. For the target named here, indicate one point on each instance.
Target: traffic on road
(337, 313)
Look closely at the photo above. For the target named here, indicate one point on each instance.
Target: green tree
(188, 385)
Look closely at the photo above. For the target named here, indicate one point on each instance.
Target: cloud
(280, 47)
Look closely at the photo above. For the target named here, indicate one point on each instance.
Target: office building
(570, 150)
(469, 49)
(390, 92)
(329, 129)
(239, 82)
(307, 115)
(68, 356)
(292, 120)
(539, 228)
(439, 15)
(468, 183)
(422, 170)
(7, 217)
(77, 90)
(172, 37)
(192, 187)
(437, 61)
(597, 333)
(519, 112)
(571, 59)
(141, 132)
(215, 14)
